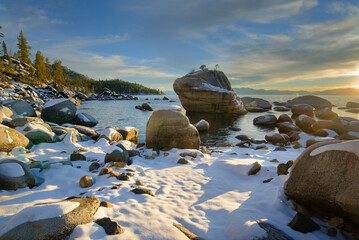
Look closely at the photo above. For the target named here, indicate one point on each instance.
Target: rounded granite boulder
(59, 111)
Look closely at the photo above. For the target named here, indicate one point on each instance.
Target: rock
(325, 113)
(224, 144)
(254, 169)
(38, 136)
(202, 126)
(351, 135)
(85, 119)
(280, 149)
(336, 222)
(243, 137)
(186, 232)
(146, 107)
(129, 133)
(87, 131)
(208, 91)
(106, 204)
(317, 181)
(78, 155)
(58, 111)
(352, 105)
(86, 181)
(15, 174)
(105, 171)
(282, 169)
(281, 109)
(123, 177)
(182, 161)
(10, 138)
(250, 102)
(287, 127)
(22, 121)
(133, 153)
(305, 109)
(21, 108)
(111, 135)
(170, 128)
(94, 166)
(143, 191)
(353, 110)
(111, 228)
(266, 120)
(274, 160)
(261, 147)
(325, 133)
(234, 129)
(332, 232)
(284, 118)
(332, 125)
(139, 183)
(58, 130)
(55, 228)
(277, 139)
(305, 123)
(117, 154)
(314, 101)
(6, 111)
(303, 224)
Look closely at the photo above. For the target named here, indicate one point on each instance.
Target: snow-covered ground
(212, 196)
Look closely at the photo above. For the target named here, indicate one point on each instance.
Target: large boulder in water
(10, 138)
(170, 128)
(314, 101)
(324, 178)
(15, 174)
(208, 91)
(85, 119)
(256, 104)
(58, 111)
(54, 220)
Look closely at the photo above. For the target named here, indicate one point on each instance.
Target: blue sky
(271, 44)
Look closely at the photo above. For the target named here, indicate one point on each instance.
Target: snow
(11, 170)
(38, 212)
(213, 196)
(54, 102)
(348, 146)
(301, 117)
(65, 109)
(127, 129)
(210, 87)
(331, 133)
(354, 134)
(9, 139)
(174, 108)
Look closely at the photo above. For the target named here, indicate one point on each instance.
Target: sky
(262, 44)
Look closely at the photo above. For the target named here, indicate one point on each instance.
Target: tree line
(42, 72)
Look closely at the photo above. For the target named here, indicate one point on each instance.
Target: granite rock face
(208, 91)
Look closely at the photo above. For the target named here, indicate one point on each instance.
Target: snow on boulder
(58, 111)
(324, 178)
(170, 128)
(208, 91)
(15, 174)
(117, 153)
(129, 133)
(50, 220)
(85, 120)
(111, 135)
(10, 138)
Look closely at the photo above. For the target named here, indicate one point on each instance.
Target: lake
(123, 113)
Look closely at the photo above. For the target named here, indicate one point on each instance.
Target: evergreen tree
(24, 49)
(48, 69)
(4, 48)
(58, 73)
(9, 68)
(40, 68)
(1, 35)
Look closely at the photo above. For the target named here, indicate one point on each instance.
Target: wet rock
(287, 127)
(256, 167)
(266, 120)
(305, 109)
(15, 174)
(314, 101)
(202, 126)
(303, 224)
(281, 109)
(85, 119)
(243, 137)
(110, 227)
(280, 149)
(352, 105)
(234, 129)
(86, 181)
(284, 118)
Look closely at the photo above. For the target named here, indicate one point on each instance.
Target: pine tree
(24, 49)
(1, 34)
(58, 73)
(4, 48)
(40, 68)
(9, 68)
(48, 69)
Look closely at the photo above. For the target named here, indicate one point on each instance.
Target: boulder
(37, 136)
(58, 111)
(266, 120)
(6, 111)
(111, 135)
(305, 109)
(352, 105)
(202, 126)
(87, 131)
(170, 128)
(305, 122)
(86, 181)
(208, 91)
(15, 174)
(314, 101)
(110, 227)
(324, 179)
(129, 133)
(325, 113)
(281, 109)
(332, 125)
(287, 127)
(85, 120)
(10, 138)
(21, 121)
(260, 103)
(284, 118)
(117, 154)
(277, 139)
(56, 227)
(21, 108)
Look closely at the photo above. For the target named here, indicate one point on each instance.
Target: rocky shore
(59, 175)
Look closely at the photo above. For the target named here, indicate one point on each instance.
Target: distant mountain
(338, 91)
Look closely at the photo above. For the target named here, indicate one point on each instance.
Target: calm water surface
(123, 113)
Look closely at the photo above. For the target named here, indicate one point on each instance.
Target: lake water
(123, 113)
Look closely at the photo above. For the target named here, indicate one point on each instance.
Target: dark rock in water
(146, 107)
(352, 105)
(20, 107)
(256, 102)
(353, 110)
(280, 149)
(208, 91)
(314, 101)
(55, 228)
(281, 109)
(15, 174)
(287, 127)
(10, 138)
(119, 154)
(235, 129)
(111, 227)
(243, 137)
(266, 120)
(254, 169)
(202, 126)
(303, 224)
(58, 111)
(326, 114)
(165, 98)
(85, 120)
(143, 191)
